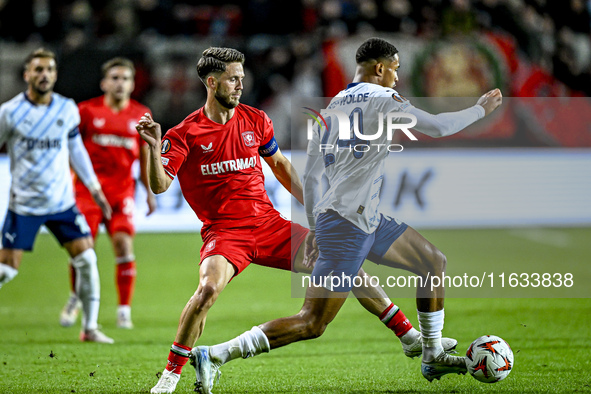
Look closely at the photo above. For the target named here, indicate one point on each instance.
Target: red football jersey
(112, 142)
(219, 166)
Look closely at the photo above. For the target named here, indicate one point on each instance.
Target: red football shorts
(274, 243)
(121, 218)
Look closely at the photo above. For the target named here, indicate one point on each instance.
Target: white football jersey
(354, 167)
(36, 138)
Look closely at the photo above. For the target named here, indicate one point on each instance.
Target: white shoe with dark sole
(443, 364)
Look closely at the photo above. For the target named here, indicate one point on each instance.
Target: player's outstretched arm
(449, 123)
(151, 132)
(286, 174)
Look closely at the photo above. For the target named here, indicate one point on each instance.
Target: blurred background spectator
(304, 48)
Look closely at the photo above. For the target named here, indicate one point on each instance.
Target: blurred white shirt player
(40, 129)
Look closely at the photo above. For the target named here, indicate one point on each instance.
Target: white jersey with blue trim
(37, 137)
(354, 168)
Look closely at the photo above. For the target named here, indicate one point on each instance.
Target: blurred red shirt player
(107, 128)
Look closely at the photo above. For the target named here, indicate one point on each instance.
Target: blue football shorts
(344, 247)
(20, 231)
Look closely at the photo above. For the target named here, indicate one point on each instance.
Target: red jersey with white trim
(219, 167)
(112, 142)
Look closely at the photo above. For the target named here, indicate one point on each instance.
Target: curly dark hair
(375, 49)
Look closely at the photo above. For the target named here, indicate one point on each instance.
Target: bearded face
(41, 75)
(229, 88)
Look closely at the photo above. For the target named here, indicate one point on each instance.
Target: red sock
(395, 320)
(126, 274)
(177, 358)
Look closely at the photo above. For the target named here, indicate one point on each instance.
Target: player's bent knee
(314, 325)
(440, 262)
(436, 264)
(206, 295)
(79, 246)
(315, 329)
(122, 244)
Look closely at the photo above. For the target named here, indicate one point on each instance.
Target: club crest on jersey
(165, 146)
(210, 246)
(99, 123)
(131, 127)
(248, 137)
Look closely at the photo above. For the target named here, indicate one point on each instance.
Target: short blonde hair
(39, 53)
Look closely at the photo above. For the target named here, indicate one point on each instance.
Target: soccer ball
(489, 359)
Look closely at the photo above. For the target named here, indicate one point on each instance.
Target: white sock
(248, 344)
(431, 324)
(88, 287)
(124, 310)
(7, 273)
(410, 337)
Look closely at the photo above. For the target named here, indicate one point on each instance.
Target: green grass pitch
(357, 354)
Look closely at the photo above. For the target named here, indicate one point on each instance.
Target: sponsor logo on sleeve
(398, 97)
(165, 146)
